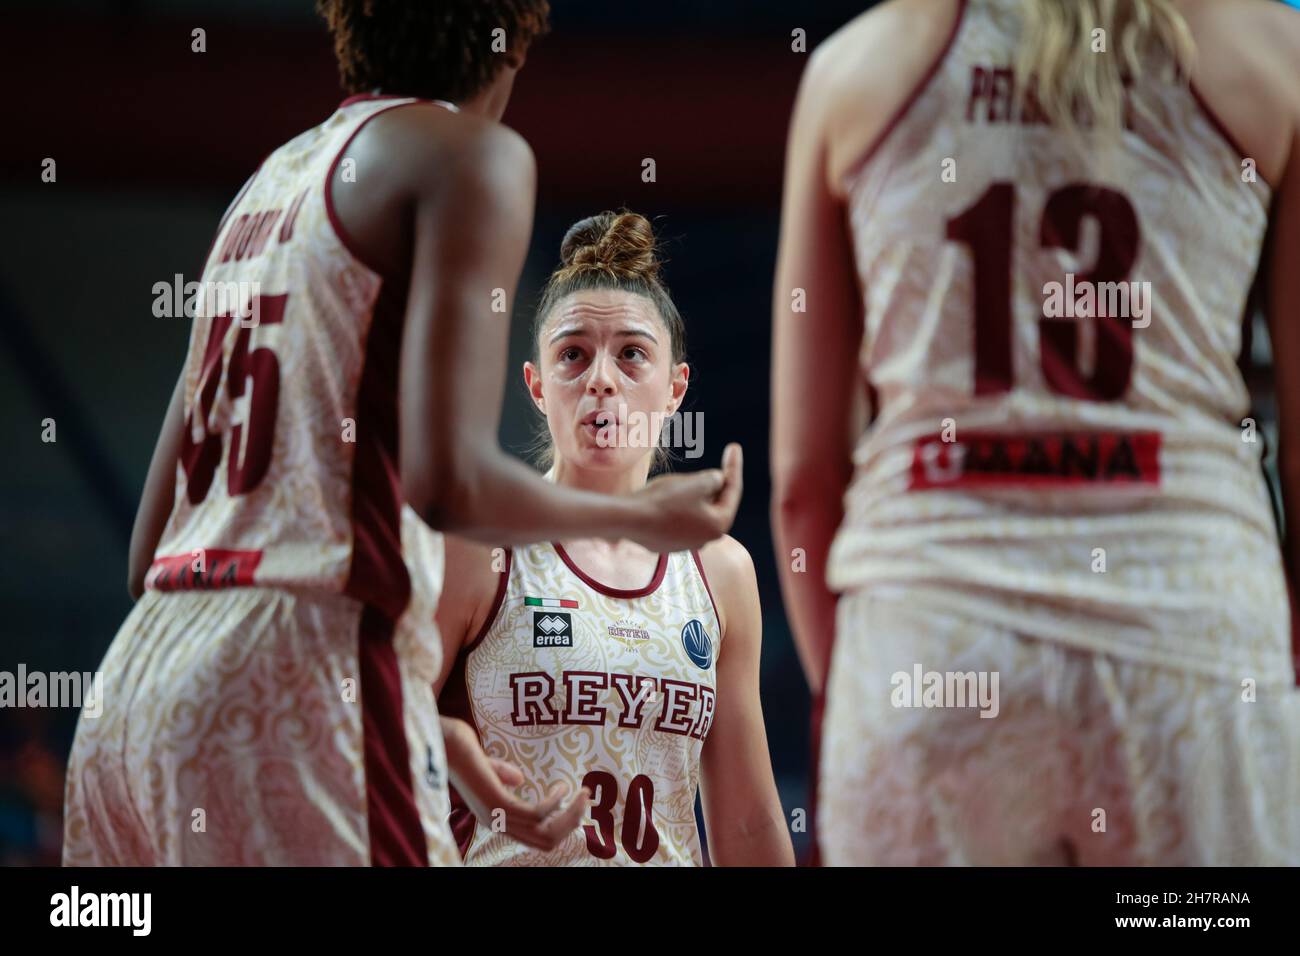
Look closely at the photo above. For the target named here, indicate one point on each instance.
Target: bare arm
(742, 810)
(813, 380)
(469, 587)
(159, 493)
(472, 222)
(487, 783)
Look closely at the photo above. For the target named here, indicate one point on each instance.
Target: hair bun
(621, 244)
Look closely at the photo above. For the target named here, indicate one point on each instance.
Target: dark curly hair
(434, 49)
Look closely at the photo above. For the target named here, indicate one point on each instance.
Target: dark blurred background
(151, 142)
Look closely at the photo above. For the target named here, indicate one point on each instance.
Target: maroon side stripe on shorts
(396, 832)
(379, 579)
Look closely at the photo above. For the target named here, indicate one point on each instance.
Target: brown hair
(1057, 64)
(435, 49)
(611, 250)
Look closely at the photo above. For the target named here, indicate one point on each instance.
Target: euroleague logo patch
(697, 644)
(552, 629)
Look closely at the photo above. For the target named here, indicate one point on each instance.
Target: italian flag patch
(549, 602)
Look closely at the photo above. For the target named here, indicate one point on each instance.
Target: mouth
(595, 422)
(600, 417)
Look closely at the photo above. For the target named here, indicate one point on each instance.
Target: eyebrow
(625, 333)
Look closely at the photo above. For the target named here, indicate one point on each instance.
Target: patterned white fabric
(1089, 758)
(302, 515)
(232, 735)
(631, 698)
(1192, 568)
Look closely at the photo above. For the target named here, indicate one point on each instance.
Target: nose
(601, 379)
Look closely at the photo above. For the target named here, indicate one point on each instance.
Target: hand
(486, 783)
(687, 511)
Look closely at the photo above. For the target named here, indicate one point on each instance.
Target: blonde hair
(1059, 68)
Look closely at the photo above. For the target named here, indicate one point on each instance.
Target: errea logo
(552, 629)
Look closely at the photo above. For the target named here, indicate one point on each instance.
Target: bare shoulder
(1279, 28)
(1247, 60)
(1245, 19)
(730, 572)
(1261, 36)
(424, 143)
(884, 39)
(473, 562)
(861, 75)
(472, 576)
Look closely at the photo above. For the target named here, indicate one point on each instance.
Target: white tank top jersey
(288, 472)
(1086, 480)
(585, 685)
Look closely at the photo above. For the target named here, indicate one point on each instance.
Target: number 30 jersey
(288, 469)
(1052, 331)
(580, 684)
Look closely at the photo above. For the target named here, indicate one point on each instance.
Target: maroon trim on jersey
(330, 211)
(222, 568)
(378, 575)
(454, 702)
(392, 815)
(699, 563)
(371, 97)
(1221, 127)
(917, 90)
(595, 585)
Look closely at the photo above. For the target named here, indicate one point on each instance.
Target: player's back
(1052, 328)
(288, 473)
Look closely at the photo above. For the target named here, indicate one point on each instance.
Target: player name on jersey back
(1063, 440)
(288, 471)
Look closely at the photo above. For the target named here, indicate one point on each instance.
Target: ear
(533, 382)
(678, 385)
(516, 55)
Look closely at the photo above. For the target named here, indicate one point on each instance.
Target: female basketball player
(1027, 230)
(258, 708)
(611, 667)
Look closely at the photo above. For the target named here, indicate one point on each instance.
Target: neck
(604, 481)
(483, 103)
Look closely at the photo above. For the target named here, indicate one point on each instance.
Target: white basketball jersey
(1052, 339)
(585, 685)
(288, 472)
